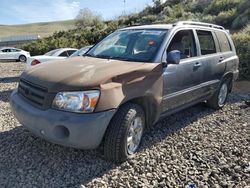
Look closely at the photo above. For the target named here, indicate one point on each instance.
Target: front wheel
(219, 99)
(124, 133)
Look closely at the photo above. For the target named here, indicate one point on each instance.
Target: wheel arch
(228, 76)
(150, 107)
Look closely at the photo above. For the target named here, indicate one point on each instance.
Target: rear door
(182, 82)
(228, 53)
(212, 58)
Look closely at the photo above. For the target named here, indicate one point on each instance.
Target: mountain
(43, 29)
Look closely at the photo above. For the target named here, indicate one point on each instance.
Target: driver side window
(184, 42)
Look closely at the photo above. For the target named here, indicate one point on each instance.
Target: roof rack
(198, 24)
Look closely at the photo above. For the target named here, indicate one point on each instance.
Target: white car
(60, 53)
(9, 53)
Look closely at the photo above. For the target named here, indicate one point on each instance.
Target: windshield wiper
(88, 55)
(104, 56)
(122, 58)
(128, 59)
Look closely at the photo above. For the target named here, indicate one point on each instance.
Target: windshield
(130, 45)
(52, 52)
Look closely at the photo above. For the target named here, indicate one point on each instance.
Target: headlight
(79, 101)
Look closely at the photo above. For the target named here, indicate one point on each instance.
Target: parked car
(125, 84)
(9, 53)
(81, 51)
(56, 54)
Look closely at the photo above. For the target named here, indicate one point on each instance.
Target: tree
(86, 18)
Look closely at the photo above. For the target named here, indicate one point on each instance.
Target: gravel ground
(198, 147)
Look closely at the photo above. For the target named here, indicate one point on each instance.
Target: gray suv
(125, 84)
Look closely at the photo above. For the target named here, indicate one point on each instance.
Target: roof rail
(198, 24)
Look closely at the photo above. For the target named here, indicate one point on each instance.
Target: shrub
(217, 6)
(225, 18)
(242, 45)
(243, 14)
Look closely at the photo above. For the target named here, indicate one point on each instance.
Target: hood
(80, 73)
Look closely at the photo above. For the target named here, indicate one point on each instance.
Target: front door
(182, 82)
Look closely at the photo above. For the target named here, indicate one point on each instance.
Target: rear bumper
(83, 131)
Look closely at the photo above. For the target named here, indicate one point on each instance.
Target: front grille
(34, 93)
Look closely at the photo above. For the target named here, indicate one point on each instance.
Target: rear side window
(64, 54)
(15, 50)
(223, 41)
(70, 52)
(207, 43)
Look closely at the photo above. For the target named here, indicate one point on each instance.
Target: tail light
(35, 62)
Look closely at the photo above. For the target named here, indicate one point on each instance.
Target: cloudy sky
(24, 11)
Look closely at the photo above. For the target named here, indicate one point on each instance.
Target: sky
(14, 12)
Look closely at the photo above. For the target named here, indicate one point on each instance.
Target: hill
(44, 29)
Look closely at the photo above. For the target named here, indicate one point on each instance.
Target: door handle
(197, 64)
(221, 59)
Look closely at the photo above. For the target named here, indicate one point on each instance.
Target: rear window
(207, 43)
(223, 41)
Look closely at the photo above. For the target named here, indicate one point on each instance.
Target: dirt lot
(197, 146)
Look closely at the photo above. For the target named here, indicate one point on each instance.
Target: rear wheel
(22, 58)
(124, 133)
(219, 99)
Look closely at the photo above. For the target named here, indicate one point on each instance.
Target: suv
(126, 83)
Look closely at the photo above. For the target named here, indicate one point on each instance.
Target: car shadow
(23, 155)
(178, 121)
(9, 79)
(5, 61)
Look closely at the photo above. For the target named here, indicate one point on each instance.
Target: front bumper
(76, 130)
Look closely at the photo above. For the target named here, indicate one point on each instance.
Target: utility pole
(124, 7)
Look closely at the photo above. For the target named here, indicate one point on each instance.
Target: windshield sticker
(151, 32)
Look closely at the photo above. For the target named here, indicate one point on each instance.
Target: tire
(118, 134)
(215, 102)
(22, 58)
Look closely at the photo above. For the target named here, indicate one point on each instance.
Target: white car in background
(9, 53)
(56, 54)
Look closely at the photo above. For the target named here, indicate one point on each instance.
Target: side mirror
(174, 57)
